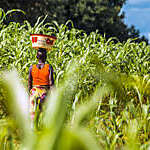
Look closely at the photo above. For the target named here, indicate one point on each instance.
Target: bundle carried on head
(42, 41)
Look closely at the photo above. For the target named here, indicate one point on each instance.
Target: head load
(42, 41)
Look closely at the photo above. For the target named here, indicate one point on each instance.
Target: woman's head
(41, 54)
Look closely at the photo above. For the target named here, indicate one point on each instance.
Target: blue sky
(137, 13)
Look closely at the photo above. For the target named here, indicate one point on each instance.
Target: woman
(40, 82)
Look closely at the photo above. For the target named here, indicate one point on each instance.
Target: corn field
(102, 95)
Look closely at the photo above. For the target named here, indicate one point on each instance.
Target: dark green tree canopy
(88, 15)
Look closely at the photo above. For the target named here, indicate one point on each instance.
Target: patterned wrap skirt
(37, 98)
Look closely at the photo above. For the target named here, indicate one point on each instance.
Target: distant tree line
(89, 15)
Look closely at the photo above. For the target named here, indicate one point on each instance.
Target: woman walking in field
(40, 82)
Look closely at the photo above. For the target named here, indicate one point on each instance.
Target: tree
(89, 15)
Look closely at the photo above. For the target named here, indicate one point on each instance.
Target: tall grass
(102, 87)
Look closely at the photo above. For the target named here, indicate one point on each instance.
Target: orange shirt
(40, 76)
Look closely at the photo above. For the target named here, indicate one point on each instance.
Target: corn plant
(118, 74)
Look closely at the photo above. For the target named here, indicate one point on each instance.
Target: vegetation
(105, 16)
(101, 100)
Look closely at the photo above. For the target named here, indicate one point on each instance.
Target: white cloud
(149, 37)
(136, 1)
(136, 9)
(137, 14)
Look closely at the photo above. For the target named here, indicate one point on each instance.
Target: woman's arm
(30, 79)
